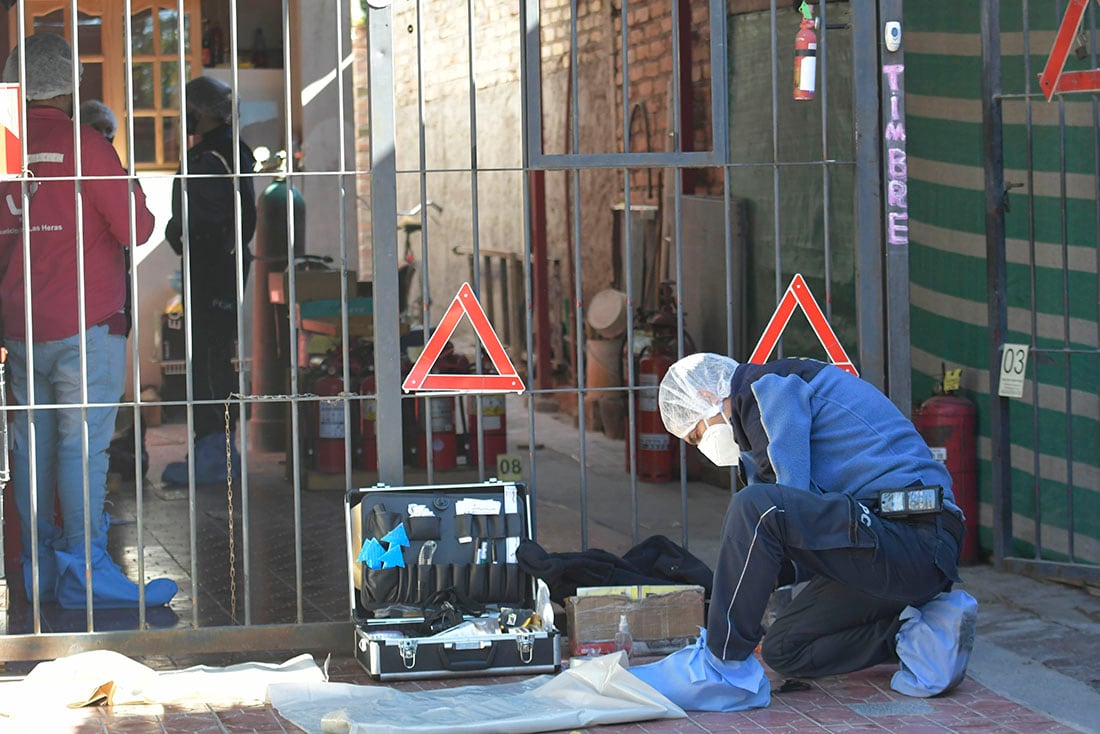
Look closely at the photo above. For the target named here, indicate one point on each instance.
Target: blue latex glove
(696, 680)
(934, 644)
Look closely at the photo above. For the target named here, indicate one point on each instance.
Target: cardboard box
(309, 285)
(662, 618)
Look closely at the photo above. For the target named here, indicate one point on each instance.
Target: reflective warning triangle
(11, 149)
(1053, 79)
(464, 303)
(798, 294)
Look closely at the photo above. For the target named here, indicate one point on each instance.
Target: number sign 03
(1013, 368)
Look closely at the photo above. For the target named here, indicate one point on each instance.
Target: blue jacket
(811, 425)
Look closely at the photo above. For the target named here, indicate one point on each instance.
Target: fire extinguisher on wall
(948, 424)
(328, 444)
(805, 56)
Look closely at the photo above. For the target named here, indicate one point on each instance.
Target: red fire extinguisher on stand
(805, 56)
(948, 424)
(657, 449)
(328, 443)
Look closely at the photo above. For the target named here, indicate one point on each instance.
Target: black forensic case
(391, 645)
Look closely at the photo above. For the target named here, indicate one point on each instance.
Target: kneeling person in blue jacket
(816, 446)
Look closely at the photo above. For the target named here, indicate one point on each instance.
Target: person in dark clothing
(204, 223)
(823, 456)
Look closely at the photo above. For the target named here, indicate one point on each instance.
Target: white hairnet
(98, 115)
(693, 389)
(49, 66)
(211, 97)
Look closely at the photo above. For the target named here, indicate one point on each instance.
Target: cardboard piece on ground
(662, 618)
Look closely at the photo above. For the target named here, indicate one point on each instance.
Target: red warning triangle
(1053, 79)
(465, 302)
(798, 294)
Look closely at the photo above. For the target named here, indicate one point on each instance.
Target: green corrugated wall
(1052, 286)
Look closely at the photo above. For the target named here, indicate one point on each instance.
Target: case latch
(408, 652)
(525, 641)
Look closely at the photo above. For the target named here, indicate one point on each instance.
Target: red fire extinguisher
(370, 418)
(439, 413)
(494, 428)
(328, 444)
(948, 425)
(657, 448)
(805, 56)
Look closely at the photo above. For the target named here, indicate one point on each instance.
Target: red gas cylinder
(494, 427)
(948, 424)
(658, 450)
(328, 446)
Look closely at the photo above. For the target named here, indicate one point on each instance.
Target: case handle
(453, 657)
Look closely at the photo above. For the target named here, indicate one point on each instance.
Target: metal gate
(1042, 175)
(550, 154)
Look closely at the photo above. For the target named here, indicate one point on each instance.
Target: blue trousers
(863, 570)
(59, 441)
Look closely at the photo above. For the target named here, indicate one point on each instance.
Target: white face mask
(718, 444)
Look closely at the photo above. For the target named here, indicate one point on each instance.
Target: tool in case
(436, 590)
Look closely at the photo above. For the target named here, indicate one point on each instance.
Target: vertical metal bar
(1067, 346)
(135, 357)
(1033, 268)
(425, 281)
(533, 200)
(339, 9)
(719, 82)
(678, 242)
(867, 193)
(82, 316)
(292, 341)
(896, 215)
(1095, 167)
(776, 219)
(628, 265)
(383, 193)
(242, 388)
(993, 154)
(28, 325)
(578, 291)
(476, 233)
(826, 191)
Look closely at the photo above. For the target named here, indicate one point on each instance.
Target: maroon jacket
(53, 239)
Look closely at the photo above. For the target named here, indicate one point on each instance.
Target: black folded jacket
(656, 560)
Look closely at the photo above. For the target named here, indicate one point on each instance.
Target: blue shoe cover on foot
(47, 568)
(110, 587)
(934, 644)
(209, 463)
(695, 679)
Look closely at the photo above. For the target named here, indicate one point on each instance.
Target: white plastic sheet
(597, 691)
(107, 677)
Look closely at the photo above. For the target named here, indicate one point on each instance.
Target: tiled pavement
(858, 702)
(861, 701)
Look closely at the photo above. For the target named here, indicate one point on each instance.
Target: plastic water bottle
(623, 638)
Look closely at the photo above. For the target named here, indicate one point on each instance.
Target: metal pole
(383, 196)
(895, 214)
(993, 154)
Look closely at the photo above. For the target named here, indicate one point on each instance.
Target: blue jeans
(59, 442)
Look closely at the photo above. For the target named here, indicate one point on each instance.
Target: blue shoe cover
(697, 680)
(209, 462)
(110, 587)
(47, 568)
(934, 644)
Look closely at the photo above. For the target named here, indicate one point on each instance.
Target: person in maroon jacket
(62, 351)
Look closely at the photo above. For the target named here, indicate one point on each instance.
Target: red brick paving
(854, 703)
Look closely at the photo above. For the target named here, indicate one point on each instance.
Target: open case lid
(455, 526)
